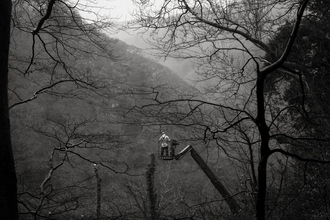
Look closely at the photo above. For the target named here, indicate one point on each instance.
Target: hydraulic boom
(233, 205)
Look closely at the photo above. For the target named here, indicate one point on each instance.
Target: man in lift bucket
(165, 141)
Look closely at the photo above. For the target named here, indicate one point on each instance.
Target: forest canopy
(86, 111)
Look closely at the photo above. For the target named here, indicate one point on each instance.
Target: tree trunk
(151, 188)
(262, 188)
(8, 181)
(98, 192)
(264, 147)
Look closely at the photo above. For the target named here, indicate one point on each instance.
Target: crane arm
(183, 152)
(233, 205)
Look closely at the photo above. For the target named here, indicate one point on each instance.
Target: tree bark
(151, 188)
(98, 192)
(264, 147)
(8, 180)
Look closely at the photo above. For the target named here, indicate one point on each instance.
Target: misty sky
(120, 10)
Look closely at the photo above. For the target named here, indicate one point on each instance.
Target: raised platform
(166, 157)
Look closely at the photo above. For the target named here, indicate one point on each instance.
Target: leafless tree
(227, 41)
(52, 39)
(71, 145)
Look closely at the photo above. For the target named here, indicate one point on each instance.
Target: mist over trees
(82, 112)
(261, 62)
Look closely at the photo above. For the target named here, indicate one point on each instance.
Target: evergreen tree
(303, 84)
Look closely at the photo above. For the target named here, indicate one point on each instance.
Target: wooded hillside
(74, 131)
(87, 110)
